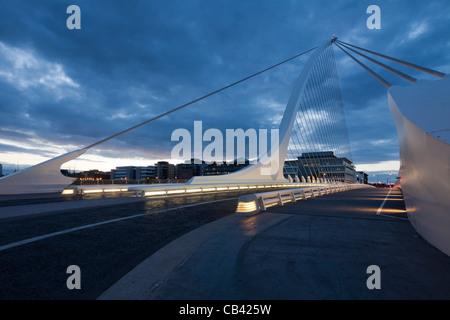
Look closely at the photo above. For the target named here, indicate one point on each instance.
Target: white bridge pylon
(269, 168)
(46, 177)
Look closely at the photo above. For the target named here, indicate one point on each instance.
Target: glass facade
(322, 165)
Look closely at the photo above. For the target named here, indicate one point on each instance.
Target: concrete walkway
(315, 249)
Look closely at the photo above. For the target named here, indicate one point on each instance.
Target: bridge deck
(196, 248)
(314, 249)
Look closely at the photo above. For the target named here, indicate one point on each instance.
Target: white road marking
(384, 201)
(382, 205)
(53, 234)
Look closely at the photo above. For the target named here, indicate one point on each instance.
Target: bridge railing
(173, 188)
(149, 191)
(152, 190)
(254, 203)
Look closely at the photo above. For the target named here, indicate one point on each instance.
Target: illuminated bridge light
(247, 205)
(68, 191)
(193, 190)
(208, 189)
(176, 191)
(155, 193)
(113, 190)
(92, 190)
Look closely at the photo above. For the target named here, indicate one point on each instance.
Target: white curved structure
(45, 177)
(421, 112)
(422, 115)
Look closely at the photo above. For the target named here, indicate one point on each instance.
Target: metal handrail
(254, 203)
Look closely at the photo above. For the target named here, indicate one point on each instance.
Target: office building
(165, 170)
(146, 173)
(189, 169)
(127, 172)
(362, 177)
(322, 165)
(223, 167)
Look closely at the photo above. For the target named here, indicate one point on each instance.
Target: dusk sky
(65, 89)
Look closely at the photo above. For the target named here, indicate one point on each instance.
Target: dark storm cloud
(133, 60)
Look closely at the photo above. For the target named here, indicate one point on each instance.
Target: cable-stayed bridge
(313, 124)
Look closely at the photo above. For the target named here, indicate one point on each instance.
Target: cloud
(417, 30)
(134, 60)
(24, 70)
(392, 165)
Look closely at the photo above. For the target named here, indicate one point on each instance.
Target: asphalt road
(105, 252)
